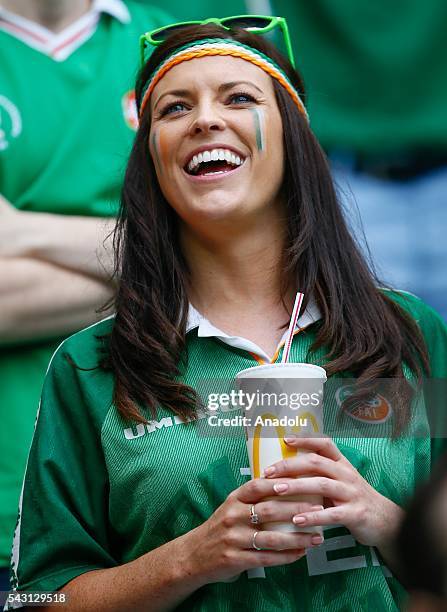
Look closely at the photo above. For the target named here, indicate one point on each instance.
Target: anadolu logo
(375, 411)
(129, 106)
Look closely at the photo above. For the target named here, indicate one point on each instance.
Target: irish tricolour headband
(221, 47)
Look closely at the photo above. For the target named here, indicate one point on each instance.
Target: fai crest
(129, 107)
(375, 411)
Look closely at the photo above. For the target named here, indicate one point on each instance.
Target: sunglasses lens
(231, 22)
(162, 34)
(246, 22)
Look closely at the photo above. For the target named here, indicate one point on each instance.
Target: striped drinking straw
(293, 319)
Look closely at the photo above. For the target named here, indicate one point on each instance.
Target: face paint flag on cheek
(258, 119)
(154, 149)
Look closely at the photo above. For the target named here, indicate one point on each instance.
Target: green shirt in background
(105, 491)
(375, 72)
(67, 127)
(202, 9)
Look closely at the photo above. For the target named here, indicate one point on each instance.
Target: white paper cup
(300, 385)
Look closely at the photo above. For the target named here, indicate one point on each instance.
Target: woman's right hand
(222, 547)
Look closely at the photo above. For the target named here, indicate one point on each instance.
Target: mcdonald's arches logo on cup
(286, 451)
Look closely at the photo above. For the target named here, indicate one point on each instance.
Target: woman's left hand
(370, 517)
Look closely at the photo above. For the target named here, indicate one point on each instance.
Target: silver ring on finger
(253, 541)
(254, 518)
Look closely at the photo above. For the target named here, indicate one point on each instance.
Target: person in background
(375, 77)
(62, 151)
(421, 544)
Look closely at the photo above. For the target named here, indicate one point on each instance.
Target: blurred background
(375, 76)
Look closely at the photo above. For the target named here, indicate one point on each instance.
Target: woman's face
(216, 140)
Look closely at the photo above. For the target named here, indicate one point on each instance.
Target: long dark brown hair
(364, 331)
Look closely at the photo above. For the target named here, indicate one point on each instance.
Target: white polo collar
(61, 45)
(205, 329)
(115, 8)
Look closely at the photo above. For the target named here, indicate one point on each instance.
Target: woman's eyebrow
(231, 84)
(172, 92)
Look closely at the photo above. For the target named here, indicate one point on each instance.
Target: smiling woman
(228, 209)
(218, 174)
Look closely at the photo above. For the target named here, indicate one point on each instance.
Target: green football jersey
(100, 491)
(66, 128)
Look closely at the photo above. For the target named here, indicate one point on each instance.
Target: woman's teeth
(213, 155)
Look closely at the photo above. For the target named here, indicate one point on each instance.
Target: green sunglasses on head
(256, 24)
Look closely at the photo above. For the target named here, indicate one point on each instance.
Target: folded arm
(39, 299)
(82, 244)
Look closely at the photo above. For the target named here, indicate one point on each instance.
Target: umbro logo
(141, 429)
(10, 122)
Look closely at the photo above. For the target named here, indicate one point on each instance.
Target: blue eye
(175, 107)
(241, 98)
